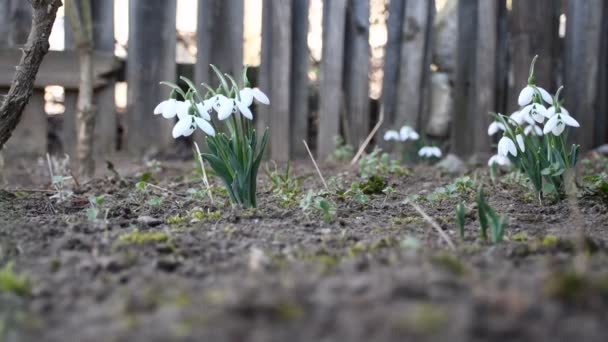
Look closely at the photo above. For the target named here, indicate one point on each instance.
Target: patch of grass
(576, 287)
(141, 237)
(284, 185)
(288, 310)
(550, 240)
(425, 319)
(520, 236)
(202, 215)
(449, 262)
(12, 282)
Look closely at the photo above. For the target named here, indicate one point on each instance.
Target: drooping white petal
(525, 96)
(545, 95)
(414, 135)
(183, 127)
(495, 127)
(564, 110)
(517, 117)
(551, 124)
(506, 146)
(205, 126)
(499, 160)
(408, 133)
(520, 142)
(204, 108)
(391, 135)
(429, 151)
(181, 109)
(533, 129)
(559, 129)
(224, 107)
(260, 96)
(246, 95)
(170, 108)
(435, 151)
(159, 108)
(538, 112)
(550, 112)
(568, 120)
(244, 110)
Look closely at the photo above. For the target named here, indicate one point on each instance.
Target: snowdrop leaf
(220, 76)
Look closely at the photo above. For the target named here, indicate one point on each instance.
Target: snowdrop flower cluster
(235, 156)
(429, 152)
(405, 133)
(534, 137)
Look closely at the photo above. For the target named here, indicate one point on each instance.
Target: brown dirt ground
(275, 274)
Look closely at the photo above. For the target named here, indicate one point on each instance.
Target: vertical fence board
(330, 95)
(533, 31)
(152, 39)
(414, 69)
(4, 22)
(392, 62)
(583, 40)
(356, 71)
(602, 105)
(262, 118)
(30, 136)
(299, 77)
(280, 80)
(103, 40)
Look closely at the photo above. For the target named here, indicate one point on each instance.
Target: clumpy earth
(159, 261)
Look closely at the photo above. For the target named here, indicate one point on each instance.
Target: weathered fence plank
(475, 76)
(299, 77)
(582, 52)
(219, 38)
(356, 71)
(331, 95)
(533, 31)
(415, 66)
(30, 136)
(392, 63)
(262, 118)
(152, 39)
(601, 125)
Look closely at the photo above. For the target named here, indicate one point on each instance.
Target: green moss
(373, 185)
(449, 262)
(289, 310)
(202, 215)
(550, 240)
(407, 220)
(139, 237)
(176, 219)
(521, 236)
(12, 282)
(425, 319)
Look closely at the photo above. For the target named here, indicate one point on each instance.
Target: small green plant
(140, 237)
(12, 282)
(459, 187)
(314, 201)
(489, 220)
(343, 151)
(95, 203)
(596, 185)
(460, 213)
(155, 201)
(379, 163)
(284, 185)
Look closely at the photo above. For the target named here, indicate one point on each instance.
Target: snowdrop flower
(168, 108)
(429, 152)
(558, 121)
(536, 111)
(527, 95)
(506, 146)
(223, 105)
(498, 159)
(391, 135)
(187, 123)
(533, 129)
(408, 133)
(248, 94)
(495, 127)
(520, 117)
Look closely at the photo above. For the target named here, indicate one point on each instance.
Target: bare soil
(377, 272)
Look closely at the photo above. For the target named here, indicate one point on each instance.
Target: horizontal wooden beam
(58, 68)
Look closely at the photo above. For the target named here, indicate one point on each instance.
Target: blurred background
(329, 67)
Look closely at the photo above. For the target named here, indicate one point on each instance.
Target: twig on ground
(205, 179)
(316, 166)
(435, 225)
(369, 137)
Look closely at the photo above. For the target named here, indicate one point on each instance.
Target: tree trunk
(33, 53)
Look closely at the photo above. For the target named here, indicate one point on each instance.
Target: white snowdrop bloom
(429, 152)
(248, 94)
(558, 122)
(168, 108)
(204, 125)
(223, 105)
(526, 95)
(506, 146)
(205, 108)
(533, 129)
(536, 111)
(408, 133)
(520, 142)
(185, 125)
(551, 112)
(391, 135)
(498, 159)
(244, 109)
(521, 117)
(495, 127)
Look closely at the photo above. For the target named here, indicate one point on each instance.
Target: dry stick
(369, 137)
(432, 222)
(315, 164)
(205, 180)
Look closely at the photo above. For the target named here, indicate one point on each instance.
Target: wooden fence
(494, 47)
